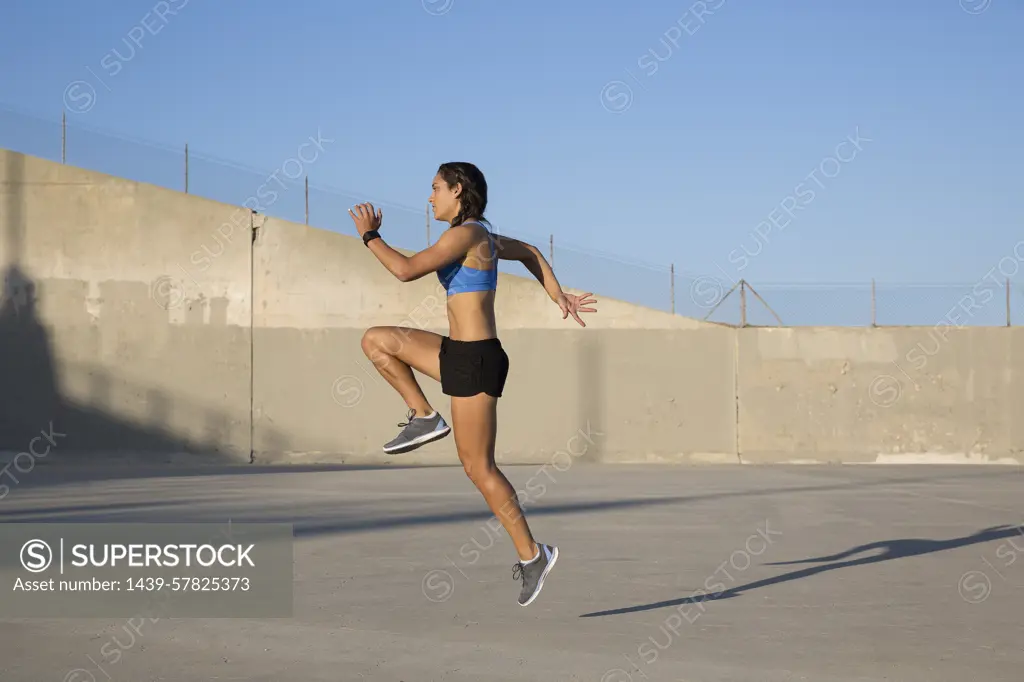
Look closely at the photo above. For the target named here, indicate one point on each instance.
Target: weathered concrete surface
(126, 326)
(124, 314)
(881, 395)
(146, 322)
(665, 394)
(823, 574)
(633, 390)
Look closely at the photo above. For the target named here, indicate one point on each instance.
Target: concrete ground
(825, 574)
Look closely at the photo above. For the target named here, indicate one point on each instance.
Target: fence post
(1007, 301)
(186, 168)
(672, 285)
(551, 250)
(307, 199)
(874, 317)
(64, 136)
(743, 303)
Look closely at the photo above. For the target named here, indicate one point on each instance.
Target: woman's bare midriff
(471, 316)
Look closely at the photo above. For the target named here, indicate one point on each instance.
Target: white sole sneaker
(543, 575)
(416, 442)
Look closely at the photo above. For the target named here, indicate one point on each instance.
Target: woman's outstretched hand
(365, 218)
(571, 304)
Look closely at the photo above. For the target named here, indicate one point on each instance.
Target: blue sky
(657, 132)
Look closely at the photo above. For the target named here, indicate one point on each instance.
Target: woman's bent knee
(383, 341)
(375, 341)
(369, 340)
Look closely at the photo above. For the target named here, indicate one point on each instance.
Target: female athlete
(470, 363)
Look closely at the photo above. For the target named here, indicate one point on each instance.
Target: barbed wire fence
(299, 198)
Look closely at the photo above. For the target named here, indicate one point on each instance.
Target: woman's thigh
(475, 424)
(415, 347)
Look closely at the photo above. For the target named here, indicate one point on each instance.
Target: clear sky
(658, 131)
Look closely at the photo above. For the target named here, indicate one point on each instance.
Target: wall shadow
(28, 392)
(35, 418)
(42, 424)
(28, 388)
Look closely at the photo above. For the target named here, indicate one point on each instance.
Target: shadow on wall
(37, 417)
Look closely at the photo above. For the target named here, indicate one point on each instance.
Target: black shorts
(472, 367)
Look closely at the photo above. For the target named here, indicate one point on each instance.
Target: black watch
(369, 236)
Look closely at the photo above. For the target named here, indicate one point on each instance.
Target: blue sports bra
(458, 278)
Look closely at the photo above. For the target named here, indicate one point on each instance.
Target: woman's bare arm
(531, 257)
(534, 261)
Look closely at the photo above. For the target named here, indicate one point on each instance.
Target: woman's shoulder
(481, 229)
(478, 223)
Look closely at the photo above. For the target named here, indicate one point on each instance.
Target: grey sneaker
(418, 431)
(533, 573)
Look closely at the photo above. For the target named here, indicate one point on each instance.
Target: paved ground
(826, 574)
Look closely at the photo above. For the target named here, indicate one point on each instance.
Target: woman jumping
(470, 364)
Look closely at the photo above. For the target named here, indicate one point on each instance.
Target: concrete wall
(102, 333)
(901, 394)
(142, 321)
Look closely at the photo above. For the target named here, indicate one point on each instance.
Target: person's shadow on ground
(891, 549)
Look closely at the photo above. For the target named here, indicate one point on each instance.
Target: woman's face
(444, 200)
